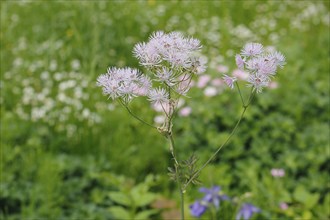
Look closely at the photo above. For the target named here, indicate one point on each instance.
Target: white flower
(147, 54)
(186, 111)
(262, 65)
(278, 58)
(158, 96)
(240, 74)
(178, 59)
(203, 80)
(252, 49)
(229, 80)
(165, 75)
(159, 119)
(123, 83)
(172, 48)
(183, 85)
(156, 35)
(258, 81)
(222, 68)
(144, 85)
(210, 91)
(198, 64)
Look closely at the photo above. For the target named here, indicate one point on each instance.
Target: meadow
(68, 152)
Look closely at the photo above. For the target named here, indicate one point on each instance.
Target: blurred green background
(67, 152)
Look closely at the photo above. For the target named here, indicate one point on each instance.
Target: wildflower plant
(170, 61)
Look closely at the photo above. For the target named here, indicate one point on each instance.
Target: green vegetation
(69, 153)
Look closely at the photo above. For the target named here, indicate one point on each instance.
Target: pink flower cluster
(124, 83)
(173, 49)
(277, 172)
(171, 58)
(261, 66)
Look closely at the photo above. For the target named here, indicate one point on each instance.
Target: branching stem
(240, 94)
(226, 141)
(135, 116)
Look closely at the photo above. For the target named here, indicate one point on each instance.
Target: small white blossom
(210, 91)
(184, 85)
(186, 111)
(222, 68)
(147, 54)
(122, 83)
(252, 49)
(278, 58)
(198, 65)
(203, 80)
(158, 96)
(262, 65)
(240, 74)
(258, 81)
(165, 75)
(144, 85)
(159, 119)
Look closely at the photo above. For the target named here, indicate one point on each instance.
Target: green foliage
(69, 153)
(135, 200)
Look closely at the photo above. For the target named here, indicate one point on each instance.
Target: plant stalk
(182, 202)
(172, 147)
(226, 141)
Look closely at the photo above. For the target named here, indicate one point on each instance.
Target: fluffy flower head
(173, 48)
(258, 66)
(122, 83)
(252, 49)
(158, 96)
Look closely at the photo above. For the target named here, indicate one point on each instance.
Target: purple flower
(239, 62)
(284, 206)
(197, 209)
(229, 80)
(213, 195)
(246, 211)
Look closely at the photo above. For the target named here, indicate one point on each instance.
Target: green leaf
(145, 214)
(302, 195)
(141, 196)
(120, 198)
(285, 196)
(312, 200)
(145, 199)
(119, 212)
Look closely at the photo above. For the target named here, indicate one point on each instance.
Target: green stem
(172, 147)
(136, 117)
(251, 98)
(240, 94)
(182, 203)
(226, 141)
